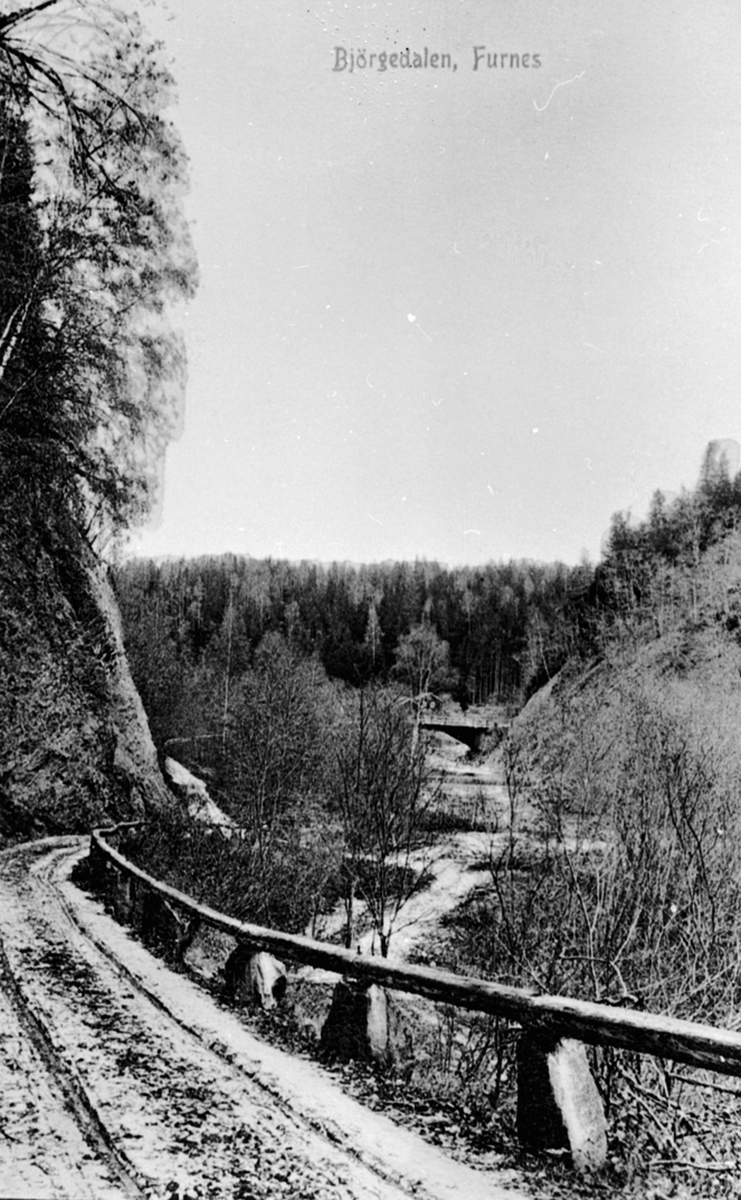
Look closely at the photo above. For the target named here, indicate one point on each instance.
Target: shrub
(632, 892)
(226, 874)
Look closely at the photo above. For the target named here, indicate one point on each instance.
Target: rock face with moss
(75, 747)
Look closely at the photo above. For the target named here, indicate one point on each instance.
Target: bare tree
(423, 666)
(276, 738)
(382, 789)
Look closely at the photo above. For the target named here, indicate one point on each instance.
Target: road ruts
(159, 1108)
(130, 1098)
(49, 1145)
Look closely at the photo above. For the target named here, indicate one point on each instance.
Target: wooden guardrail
(598, 1024)
(544, 1019)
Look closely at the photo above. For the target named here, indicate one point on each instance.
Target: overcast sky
(445, 312)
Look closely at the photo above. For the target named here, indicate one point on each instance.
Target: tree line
(676, 564)
(505, 626)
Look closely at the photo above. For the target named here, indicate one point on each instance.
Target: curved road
(120, 1078)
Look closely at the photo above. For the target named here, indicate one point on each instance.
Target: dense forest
(507, 626)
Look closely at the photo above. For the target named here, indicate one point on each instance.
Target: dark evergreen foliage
(506, 625)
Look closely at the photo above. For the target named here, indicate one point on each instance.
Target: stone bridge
(470, 735)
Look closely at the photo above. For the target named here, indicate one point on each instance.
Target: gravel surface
(120, 1078)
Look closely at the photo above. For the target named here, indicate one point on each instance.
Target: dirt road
(121, 1079)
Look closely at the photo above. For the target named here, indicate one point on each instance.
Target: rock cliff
(75, 747)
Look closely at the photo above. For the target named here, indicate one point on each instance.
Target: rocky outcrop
(75, 748)
(135, 763)
(193, 793)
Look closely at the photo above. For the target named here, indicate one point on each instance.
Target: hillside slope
(676, 650)
(691, 676)
(632, 759)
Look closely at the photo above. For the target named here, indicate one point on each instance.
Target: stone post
(558, 1104)
(254, 977)
(358, 1024)
(122, 896)
(96, 867)
(164, 928)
